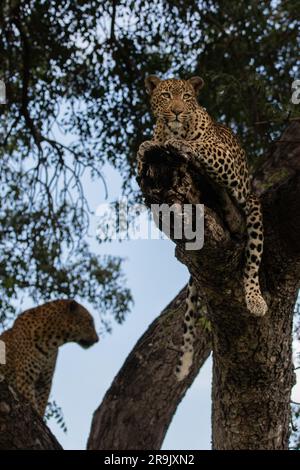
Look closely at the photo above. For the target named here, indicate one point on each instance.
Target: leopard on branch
(186, 128)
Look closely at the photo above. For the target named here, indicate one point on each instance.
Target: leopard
(185, 128)
(32, 343)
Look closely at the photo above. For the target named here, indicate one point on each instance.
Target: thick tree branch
(253, 372)
(138, 408)
(21, 427)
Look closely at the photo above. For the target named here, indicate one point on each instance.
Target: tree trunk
(252, 357)
(138, 408)
(20, 425)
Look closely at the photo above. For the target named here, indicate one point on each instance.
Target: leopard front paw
(149, 151)
(180, 146)
(146, 146)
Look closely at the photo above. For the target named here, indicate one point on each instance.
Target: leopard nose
(177, 111)
(95, 338)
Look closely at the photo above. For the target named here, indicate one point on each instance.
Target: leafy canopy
(74, 72)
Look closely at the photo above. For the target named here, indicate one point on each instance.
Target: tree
(21, 426)
(252, 359)
(139, 406)
(75, 99)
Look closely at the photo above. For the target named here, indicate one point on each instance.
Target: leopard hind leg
(254, 250)
(189, 333)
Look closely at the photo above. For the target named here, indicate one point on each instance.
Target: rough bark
(138, 408)
(20, 425)
(253, 370)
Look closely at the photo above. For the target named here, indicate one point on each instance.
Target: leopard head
(173, 101)
(57, 322)
(81, 325)
(62, 321)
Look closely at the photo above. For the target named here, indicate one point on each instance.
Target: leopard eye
(187, 96)
(166, 95)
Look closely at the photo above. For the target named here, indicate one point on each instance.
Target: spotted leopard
(182, 125)
(31, 346)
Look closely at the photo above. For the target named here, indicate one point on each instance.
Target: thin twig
(278, 120)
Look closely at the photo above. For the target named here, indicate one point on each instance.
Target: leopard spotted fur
(182, 125)
(32, 346)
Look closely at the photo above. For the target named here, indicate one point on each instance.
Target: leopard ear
(151, 82)
(197, 83)
(73, 305)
